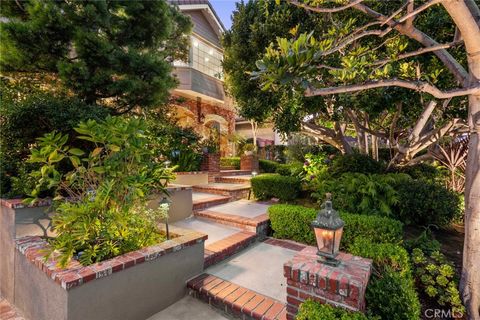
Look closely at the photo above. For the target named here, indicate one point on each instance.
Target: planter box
(191, 178)
(132, 286)
(182, 204)
(249, 163)
(18, 220)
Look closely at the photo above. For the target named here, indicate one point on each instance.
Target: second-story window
(206, 58)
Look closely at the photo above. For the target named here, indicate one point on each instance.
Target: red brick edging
(75, 274)
(234, 299)
(8, 311)
(287, 244)
(18, 203)
(259, 224)
(222, 249)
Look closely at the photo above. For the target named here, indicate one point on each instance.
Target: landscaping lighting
(328, 228)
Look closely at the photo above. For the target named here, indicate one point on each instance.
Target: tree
(347, 52)
(115, 53)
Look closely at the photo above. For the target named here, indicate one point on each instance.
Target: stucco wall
(7, 256)
(182, 204)
(191, 179)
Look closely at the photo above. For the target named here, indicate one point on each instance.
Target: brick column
(211, 164)
(249, 162)
(343, 286)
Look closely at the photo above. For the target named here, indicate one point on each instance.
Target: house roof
(186, 5)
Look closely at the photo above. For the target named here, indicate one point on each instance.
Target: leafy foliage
(310, 310)
(230, 162)
(268, 166)
(267, 186)
(294, 169)
(28, 113)
(100, 205)
(356, 162)
(103, 51)
(391, 292)
(293, 222)
(436, 277)
(423, 203)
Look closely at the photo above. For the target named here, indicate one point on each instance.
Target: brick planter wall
(249, 163)
(211, 164)
(343, 286)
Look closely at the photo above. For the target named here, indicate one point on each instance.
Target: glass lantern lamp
(165, 201)
(328, 229)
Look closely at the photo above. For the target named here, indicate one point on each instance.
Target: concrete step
(234, 172)
(244, 214)
(8, 311)
(202, 201)
(189, 308)
(237, 179)
(235, 300)
(233, 190)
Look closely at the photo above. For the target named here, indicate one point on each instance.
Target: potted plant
(248, 149)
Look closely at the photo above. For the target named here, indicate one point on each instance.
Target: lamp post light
(166, 203)
(254, 174)
(328, 228)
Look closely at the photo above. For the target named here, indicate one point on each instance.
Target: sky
(224, 9)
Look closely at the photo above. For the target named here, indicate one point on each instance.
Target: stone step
(202, 201)
(244, 214)
(238, 179)
(233, 190)
(235, 300)
(234, 172)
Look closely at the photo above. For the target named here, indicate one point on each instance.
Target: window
(206, 58)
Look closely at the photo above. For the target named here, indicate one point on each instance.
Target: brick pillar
(343, 286)
(249, 162)
(211, 164)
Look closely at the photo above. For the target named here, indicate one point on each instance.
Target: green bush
(293, 222)
(391, 292)
(355, 162)
(25, 120)
(268, 166)
(110, 184)
(267, 186)
(230, 162)
(311, 310)
(421, 171)
(423, 203)
(290, 169)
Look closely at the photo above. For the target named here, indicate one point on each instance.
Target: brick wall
(342, 286)
(249, 162)
(211, 164)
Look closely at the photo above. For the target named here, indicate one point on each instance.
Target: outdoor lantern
(166, 201)
(328, 228)
(254, 173)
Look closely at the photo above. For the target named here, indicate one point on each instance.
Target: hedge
(293, 222)
(268, 166)
(230, 162)
(267, 186)
(312, 310)
(391, 292)
(290, 169)
(356, 162)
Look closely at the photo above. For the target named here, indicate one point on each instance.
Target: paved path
(189, 309)
(215, 231)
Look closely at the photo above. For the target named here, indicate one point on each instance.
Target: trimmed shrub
(312, 310)
(421, 171)
(267, 186)
(391, 292)
(293, 222)
(268, 166)
(356, 163)
(230, 162)
(423, 203)
(290, 169)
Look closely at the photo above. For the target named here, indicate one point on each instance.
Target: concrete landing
(202, 196)
(222, 186)
(258, 268)
(215, 231)
(188, 309)
(242, 208)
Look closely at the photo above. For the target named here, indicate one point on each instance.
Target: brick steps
(235, 300)
(234, 179)
(227, 168)
(235, 191)
(234, 172)
(258, 225)
(8, 312)
(222, 249)
(203, 204)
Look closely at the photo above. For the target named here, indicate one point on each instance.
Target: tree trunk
(470, 282)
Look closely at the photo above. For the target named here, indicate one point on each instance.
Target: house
(200, 100)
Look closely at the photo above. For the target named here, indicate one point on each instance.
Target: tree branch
(415, 12)
(323, 10)
(418, 52)
(414, 136)
(413, 85)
